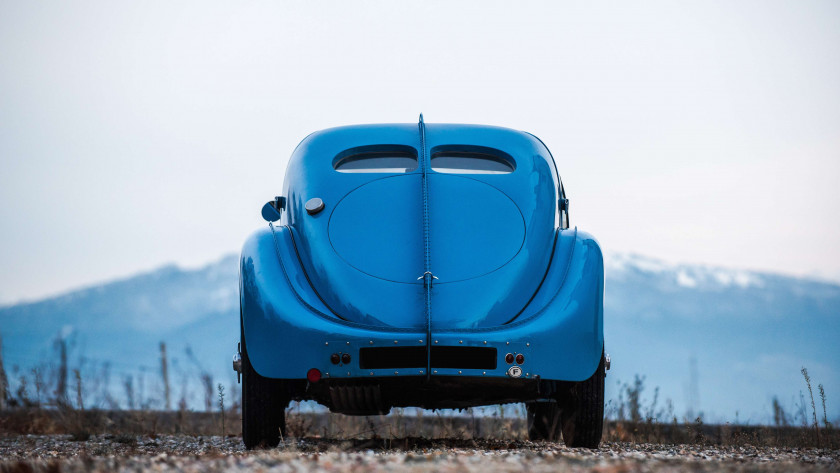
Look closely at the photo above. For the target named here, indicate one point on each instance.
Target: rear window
(377, 159)
(471, 160)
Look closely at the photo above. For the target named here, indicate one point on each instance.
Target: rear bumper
(287, 333)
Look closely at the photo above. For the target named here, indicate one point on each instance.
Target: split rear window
(377, 159)
(449, 159)
(471, 160)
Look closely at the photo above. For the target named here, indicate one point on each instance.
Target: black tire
(543, 421)
(264, 402)
(582, 411)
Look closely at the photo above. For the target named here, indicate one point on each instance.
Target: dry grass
(393, 428)
(54, 402)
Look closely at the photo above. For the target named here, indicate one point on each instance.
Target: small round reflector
(335, 359)
(509, 358)
(345, 358)
(520, 359)
(313, 375)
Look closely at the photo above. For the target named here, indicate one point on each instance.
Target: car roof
(331, 142)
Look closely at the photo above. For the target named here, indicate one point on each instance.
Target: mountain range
(703, 340)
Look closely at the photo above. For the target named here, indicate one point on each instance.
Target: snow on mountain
(623, 265)
(659, 317)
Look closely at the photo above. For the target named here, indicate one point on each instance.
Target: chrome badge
(514, 371)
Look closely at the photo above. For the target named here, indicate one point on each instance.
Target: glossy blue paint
(351, 275)
(372, 226)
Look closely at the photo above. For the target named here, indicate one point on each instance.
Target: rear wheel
(543, 421)
(582, 411)
(264, 402)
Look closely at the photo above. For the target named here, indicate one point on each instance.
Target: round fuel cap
(314, 206)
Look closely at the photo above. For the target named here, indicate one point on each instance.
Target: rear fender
(563, 325)
(284, 323)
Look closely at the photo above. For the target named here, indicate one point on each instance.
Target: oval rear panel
(378, 228)
(475, 228)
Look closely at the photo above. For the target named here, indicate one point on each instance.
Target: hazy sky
(136, 134)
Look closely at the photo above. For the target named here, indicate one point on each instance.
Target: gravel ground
(206, 454)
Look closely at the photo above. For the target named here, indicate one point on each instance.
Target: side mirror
(271, 210)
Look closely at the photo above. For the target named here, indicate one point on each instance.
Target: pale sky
(138, 134)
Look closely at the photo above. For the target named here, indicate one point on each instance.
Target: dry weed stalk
(816, 425)
(222, 406)
(164, 373)
(825, 416)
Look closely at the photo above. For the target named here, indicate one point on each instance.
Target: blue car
(427, 265)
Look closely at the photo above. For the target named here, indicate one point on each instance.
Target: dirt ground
(54, 453)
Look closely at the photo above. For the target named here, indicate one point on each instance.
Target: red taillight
(345, 358)
(313, 375)
(509, 358)
(520, 359)
(335, 359)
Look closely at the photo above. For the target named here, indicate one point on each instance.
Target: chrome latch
(427, 278)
